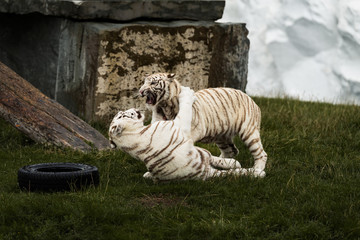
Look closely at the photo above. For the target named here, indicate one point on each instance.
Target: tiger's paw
(256, 172)
(238, 165)
(147, 175)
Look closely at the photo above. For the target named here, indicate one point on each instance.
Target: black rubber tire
(57, 177)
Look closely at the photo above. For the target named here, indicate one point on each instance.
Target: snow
(306, 49)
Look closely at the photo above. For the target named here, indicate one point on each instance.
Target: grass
(311, 191)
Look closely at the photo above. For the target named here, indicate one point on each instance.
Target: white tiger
(218, 115)
(165, 146)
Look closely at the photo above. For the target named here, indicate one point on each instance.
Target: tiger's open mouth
(150, 98)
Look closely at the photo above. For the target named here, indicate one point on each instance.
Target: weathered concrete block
(114, 58)
(119, 10)
(96, 69)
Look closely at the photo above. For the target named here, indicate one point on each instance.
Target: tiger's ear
(170, 76)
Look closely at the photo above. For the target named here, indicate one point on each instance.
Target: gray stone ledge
(96, 68)
(119, 10)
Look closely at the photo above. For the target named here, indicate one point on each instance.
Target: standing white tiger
(219, 114)
(165, 146)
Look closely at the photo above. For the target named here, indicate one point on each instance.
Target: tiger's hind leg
(224, 163)
(253, 142)
(227, 148)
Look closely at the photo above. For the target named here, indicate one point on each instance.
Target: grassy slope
(312, 187)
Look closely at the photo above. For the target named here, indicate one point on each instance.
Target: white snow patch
(309, 49)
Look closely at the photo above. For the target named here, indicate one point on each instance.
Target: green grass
(311, 191)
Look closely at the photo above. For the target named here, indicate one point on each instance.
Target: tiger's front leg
(184, 117)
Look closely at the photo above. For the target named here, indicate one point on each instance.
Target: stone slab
(95, 69)
(114, 58)
(119, 10)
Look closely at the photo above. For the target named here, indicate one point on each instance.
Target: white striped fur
(219, 114)
(166, 147)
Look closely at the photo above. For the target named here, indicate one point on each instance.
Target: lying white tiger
(218, 115)
(165, 146)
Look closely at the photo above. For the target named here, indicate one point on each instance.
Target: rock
(96, 68)
(29, 46)
(119, 10)
(115, 57)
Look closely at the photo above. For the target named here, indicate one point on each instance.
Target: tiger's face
(155, 87)
(123, 120)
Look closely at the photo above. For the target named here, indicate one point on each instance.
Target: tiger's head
(159, 87)
(129, 119)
